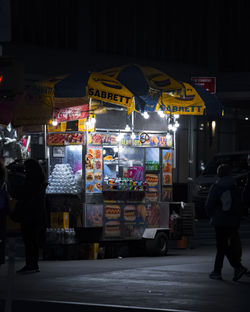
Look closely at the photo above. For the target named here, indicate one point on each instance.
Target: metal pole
(174, 149)
(133, 121)
(191, 157)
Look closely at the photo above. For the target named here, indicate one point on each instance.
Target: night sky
(206, 33)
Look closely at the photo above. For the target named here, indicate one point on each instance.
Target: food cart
(114, 184)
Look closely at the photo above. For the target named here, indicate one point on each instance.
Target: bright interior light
(133, 136)
(176, 116)
(174, 128)
(170, 127)
(160, 113)
(120, 137)
(246, 118)
(74, 147)
(177, 124)
(127, 128)
(116, 149)
(91, 122)
(145, 115)
(54, 122)
(121, 149)
(213, 127)
(168, 136)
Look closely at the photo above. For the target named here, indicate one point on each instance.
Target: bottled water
(66, 237)
(72, 234)
(61, 236)
(48, 235)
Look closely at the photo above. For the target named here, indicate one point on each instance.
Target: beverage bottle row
(60, 236)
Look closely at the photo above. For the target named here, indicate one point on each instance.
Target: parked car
(202, 184)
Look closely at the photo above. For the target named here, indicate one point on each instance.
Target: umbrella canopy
(145, 83)
(194, 101)
(36, 106)
(135, 87)
(139, 88)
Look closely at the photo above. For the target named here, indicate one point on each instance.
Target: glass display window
(152, 159)
(65, 170)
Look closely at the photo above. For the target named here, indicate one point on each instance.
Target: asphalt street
(176, 282)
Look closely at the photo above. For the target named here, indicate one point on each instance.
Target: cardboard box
(59, 220)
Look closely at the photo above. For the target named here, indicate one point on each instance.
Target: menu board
(93, 166)
(152, 180)
(125, 221)
(167, 193)
(112, 220)
(167, 167)
(167, 177)
(111, 139)
(64, 126)
(154, 141)
(135, 217)
(154, 215)
(94, 215)
(65, 138)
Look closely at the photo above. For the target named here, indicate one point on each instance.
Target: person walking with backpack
(223, 206)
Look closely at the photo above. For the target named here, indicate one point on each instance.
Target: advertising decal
(93, 168)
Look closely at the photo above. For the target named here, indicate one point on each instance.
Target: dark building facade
(207, 33)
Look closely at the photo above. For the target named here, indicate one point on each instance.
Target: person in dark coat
(246, 190)
(4, 210)
(226, 225)
(30, 209)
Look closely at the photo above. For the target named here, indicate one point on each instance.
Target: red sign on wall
(72, 113)
(207, 83)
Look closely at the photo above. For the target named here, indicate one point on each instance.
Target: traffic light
(11, 77)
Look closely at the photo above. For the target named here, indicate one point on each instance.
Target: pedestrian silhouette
(30, 212)
(224, 206)
(4, 210)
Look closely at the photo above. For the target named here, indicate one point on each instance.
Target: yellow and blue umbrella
(194, 101)
(132, 86)
(145, 83)
(139, 88)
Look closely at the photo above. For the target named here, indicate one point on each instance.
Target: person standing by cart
(30, 213)
(224, 206)
(4, 210)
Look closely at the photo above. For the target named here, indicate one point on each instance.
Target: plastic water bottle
(66, 236)
(62, 236)
(58, 236)
(48, 235)
(73, 236)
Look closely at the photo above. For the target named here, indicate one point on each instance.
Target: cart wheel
(157, 246)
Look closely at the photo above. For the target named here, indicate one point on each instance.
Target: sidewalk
(177, 282)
